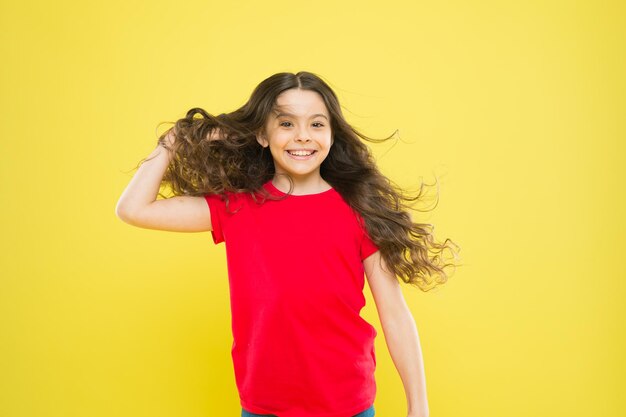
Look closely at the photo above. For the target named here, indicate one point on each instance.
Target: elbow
(123, 213)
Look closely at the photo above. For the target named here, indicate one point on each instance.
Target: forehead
(299, 103)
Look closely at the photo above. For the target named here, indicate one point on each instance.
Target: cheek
(279, 140)
(277, 151)
(326, 140)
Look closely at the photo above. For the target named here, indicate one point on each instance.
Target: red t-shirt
(296, 279)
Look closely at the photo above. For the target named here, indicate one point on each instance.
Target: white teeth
(300, 153)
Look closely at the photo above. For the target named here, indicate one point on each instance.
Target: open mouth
(301, 154)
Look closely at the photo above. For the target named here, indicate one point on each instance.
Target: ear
(260, 137)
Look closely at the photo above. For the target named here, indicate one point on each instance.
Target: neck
(301, 185)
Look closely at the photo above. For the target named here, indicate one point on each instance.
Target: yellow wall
(518, 107)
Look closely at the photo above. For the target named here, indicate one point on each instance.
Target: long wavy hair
(238, 163)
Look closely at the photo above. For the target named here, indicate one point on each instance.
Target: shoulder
(233, 200)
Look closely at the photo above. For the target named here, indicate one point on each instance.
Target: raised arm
(139, 207)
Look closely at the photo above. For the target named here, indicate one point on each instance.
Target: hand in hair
(168, 140)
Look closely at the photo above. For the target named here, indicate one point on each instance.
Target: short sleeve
(368, 247)
(217, 208)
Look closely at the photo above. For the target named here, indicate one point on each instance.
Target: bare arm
(400, 333)
(139, 207)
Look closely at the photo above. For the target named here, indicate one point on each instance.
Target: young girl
(304, 213)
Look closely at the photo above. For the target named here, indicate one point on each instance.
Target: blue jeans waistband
(370, 412)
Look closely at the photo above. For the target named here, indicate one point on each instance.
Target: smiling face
(298, 134)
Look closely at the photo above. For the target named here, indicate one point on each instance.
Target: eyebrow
(293, 115)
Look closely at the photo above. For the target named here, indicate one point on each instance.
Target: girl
(304, 213)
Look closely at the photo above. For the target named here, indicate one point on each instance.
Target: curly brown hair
(238, 163)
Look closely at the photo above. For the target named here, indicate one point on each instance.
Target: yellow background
(518, 108)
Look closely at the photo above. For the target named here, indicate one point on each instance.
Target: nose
(303, 135)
